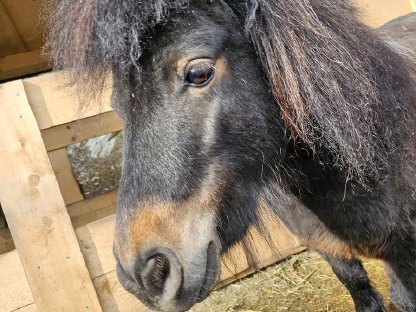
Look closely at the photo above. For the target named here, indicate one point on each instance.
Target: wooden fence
(63, 258)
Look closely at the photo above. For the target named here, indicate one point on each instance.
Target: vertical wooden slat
(92, 209)
(36, 213)
(63, 171)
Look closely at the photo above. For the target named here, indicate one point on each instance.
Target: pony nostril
(155, 274)
(159, 272)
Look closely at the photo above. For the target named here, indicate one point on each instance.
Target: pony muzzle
(169, 261)
(163, 283)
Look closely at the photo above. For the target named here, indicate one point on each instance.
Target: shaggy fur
(343, 98)
(104, 32)
(334, 88)
(335, 160)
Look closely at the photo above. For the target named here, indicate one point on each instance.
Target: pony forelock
(86, 38)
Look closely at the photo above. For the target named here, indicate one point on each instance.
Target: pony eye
(199, 73)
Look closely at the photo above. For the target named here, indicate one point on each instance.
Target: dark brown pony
(228, 104)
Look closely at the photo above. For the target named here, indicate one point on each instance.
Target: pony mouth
(212, 272)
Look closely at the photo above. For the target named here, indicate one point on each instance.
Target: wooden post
(35, 211)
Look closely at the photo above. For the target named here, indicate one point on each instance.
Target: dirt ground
(302, 283)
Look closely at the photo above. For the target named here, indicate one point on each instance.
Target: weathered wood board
(54, 103)
(10, 40)
(36, 213)
(24, 15)
(77, 131)
(93, 209)
(21, 64)
(15, 292)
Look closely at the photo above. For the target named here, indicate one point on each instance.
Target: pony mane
(338, 85)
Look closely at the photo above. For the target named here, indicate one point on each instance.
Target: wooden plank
(256, 251)
(36, 213)
(378, 12)
(64, 174)
(77, 131)
(96, 241)
(21, 64)
(10, 41)
(53, 103)
(15, 292)
(93, 209)
(25, 16)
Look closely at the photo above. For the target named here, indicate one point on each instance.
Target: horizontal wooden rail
(93, 209)
(54, 103)
(413, 5)
(77, 131)
(376, 13)
(22, 64)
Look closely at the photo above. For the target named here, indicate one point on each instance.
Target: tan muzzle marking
(168, 224)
